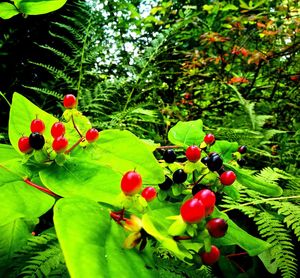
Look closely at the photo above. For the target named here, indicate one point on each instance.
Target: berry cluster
(241, 150)
(36, 139)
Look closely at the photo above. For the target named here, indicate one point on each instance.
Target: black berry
(241, 162)
(204, 160)
(214, 163)
(166, 184)
(179, 176)
(36, 140)
(169, 156)
(242, 149)
(221, 171)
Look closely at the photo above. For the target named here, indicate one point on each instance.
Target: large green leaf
(13, 236)
(22, 112)
(12, 170)
(237, 236)
(254, 183)
(92, 243)
(35, 7)
(187, 133)
(225, 149)
(123, 151)
(18, 200)
(7, 152)
(7, 10)
(83, 178)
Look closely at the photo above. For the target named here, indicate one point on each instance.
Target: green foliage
(41, 256)
(29, 7)
(276, 219)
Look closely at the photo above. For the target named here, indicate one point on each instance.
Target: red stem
(75, 145)
(237, 254)
(182, 238)
(43, 189)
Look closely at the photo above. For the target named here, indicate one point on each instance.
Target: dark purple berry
(242, 149)
(204, 160)
(241, 162)
(214, 163)
(166, 184)
(36, 140)
(169, 155)
(179, 176)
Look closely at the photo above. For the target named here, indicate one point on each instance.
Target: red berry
(131, 183)
(228, 178)
(208, 199)
(244, 52)
(37, 125)
(92, 135)
(192, 211)
(209, 139)
(217, 227)
(70, 101)
(60, 144)
(58, 129)
(149, 193)
(211, 257)
(24, 145)
(193, 153)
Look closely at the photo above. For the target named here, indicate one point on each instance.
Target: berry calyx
(193, 153)
(208, 199)
(179, 176)
(228, 178)
(37, 125)
(69, 101)
(131, 183)
(36, 140)
(217, 227)
(209, 139)
(58, 129)
(92, 135)
(209, 258)
(149, 193)
(214, 163)
(60, 144)
(166, 184)
(24, 145)
(169, 155)
(242, 149)
(192, 211)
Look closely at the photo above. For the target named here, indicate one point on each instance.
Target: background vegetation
(145, 65)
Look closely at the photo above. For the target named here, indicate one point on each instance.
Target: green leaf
(237, 236)
(19, 200)
(35, 7)
(254, 183)
(13, 236)
(225, 149)
(83, 178)
(92, 243)
(229, 7)
(7, 10)
(123, 151)
(268, 260)
(7, 152)
(187, 133)
(12, 170)
(22, 112)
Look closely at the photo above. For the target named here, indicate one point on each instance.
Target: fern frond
(76, 35)
(271, 228)
(45, 91)
(68, 42)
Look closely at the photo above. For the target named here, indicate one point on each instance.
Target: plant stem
(4, 97)
(262, 201)
(168, 147)
(75, 126)
(74, 146)
(49, 192)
